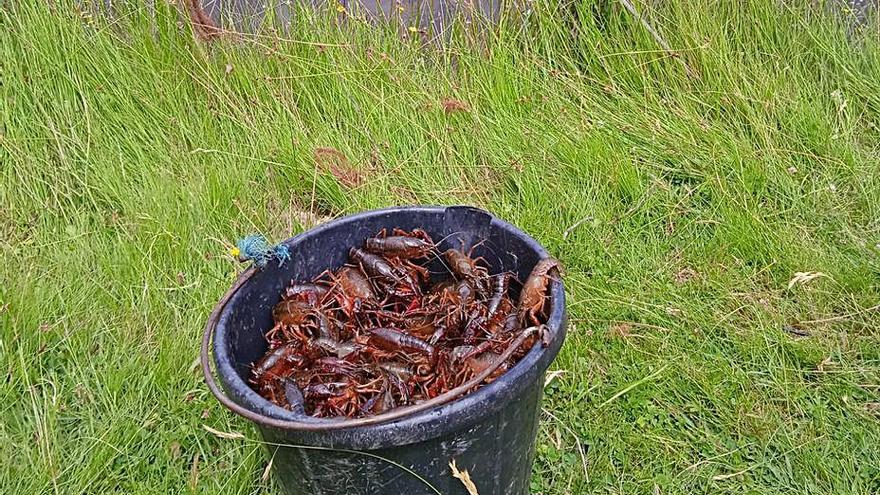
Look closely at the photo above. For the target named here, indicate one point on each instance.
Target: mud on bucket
(490, 432)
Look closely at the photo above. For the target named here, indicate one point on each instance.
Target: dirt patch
(685, 275)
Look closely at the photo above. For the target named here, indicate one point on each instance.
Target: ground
(719, 226)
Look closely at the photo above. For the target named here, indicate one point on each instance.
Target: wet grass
(681, 205)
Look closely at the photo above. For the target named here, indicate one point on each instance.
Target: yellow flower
(413, 29)
(340, 8)
(235, 252)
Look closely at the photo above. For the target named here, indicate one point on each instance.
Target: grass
(131, 157)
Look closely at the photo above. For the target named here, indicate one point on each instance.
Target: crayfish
(383, 332)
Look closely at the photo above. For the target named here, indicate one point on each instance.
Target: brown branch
(627, 4)
(204, 27)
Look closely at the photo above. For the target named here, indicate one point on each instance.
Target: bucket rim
(459, 412)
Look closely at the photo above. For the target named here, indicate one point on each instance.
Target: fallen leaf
(553, 375)
(803, 278)
(223, 434)
(194, 472)
(451, 105)
(465, 478)
(174, 449)
(349, 178)
(268, 469)
(336, 163)
(671, 311)
(325, 155)
(229, 68)
(792, 170)
(149, 422)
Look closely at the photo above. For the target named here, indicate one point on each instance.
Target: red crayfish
(379, 333)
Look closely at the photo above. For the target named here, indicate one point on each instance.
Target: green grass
(130, 160)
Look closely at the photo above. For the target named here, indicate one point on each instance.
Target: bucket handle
(394, 414)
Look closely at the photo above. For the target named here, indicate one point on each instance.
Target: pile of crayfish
(379, 333)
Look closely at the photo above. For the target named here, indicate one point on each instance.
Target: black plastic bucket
(490, 432)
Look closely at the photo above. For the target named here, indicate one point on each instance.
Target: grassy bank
(682, 205)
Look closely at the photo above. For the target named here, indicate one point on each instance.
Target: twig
(577, 224)
(234, 435)
(577, 442)
(722, 477)
(464, 477)
(552, 375)
(707, 461)
(636, 206)
(659, 39)
(633, 385)
(194, 473)
(627, 322)
(637, 52)
(795, 331)
(235, 155)
(268, 469)
(205, 27)
(841, 317)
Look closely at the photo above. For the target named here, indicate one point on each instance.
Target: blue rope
(255, 248)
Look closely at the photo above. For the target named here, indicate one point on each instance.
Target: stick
(634, 385)
(841, 317)
(205, 27)
(659, 39)
(568, 231)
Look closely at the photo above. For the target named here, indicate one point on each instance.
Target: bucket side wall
(497, 452)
